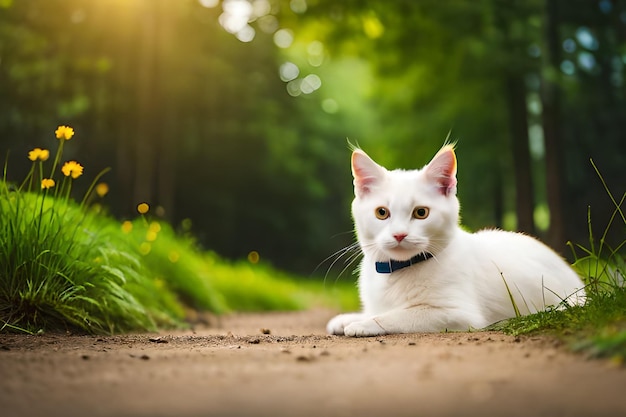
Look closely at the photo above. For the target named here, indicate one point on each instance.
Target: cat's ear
(366, 173)
(442, 170)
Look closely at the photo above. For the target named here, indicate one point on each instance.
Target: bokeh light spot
(173, 256)
(209, 3)
(289, 71)
(236, 15)
(372, 27)
(568, 67)
(155, 227)
(145, 248)
(569, 45)
(246, 34)
(268, 23)
(293, 88)
(127, 227)
(586, 38)
(586, 61)
(310, 83)
(298, 6)
(330, 106)
(534, 50)
(283, 38)
(261, 8)
(315, 51)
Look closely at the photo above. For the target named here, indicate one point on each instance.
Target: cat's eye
(420, 212)
(382, 213)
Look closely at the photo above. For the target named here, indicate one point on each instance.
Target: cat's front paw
(338, 323)
(364, 328)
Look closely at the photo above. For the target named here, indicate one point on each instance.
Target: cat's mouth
(401, 252)
(402, 249)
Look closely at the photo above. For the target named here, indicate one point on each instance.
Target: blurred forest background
(235, 114)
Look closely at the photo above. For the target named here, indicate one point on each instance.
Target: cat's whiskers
(354, 257)
(353, 251)
(372, 246)
(435, 247)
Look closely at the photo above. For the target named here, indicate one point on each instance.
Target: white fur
(463, 285)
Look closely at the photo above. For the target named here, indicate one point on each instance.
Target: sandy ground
(234, 368)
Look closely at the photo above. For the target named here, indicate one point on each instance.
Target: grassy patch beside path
(63, 266)
(599, 327)
(66, 264)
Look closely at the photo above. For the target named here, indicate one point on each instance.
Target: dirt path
(233, 369)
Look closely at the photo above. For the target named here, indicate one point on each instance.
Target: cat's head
(399, 214)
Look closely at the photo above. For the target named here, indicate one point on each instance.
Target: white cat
(421, 272)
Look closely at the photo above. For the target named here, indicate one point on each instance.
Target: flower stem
(28, 179)
(57, 158)
(93, 184)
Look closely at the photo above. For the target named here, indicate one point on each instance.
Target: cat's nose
(399, 237)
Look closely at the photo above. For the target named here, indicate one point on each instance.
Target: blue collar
(393, 265)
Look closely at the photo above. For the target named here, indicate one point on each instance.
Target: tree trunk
(550, 97)
(518, 122)
(167, 144)
(148, 131)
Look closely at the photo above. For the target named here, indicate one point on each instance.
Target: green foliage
(62, 266)
(205, 281)
(83, 270)
(175, 263)
(598, 327)
(65, 265)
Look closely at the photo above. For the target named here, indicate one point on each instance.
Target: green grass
(599, 327)
(72, 267)
(61, 265)
(205, 281)
(66, 265)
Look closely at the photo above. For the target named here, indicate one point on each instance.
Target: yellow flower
(145, 248)
(143, 208)
(151, 236)
(64, 132)
(253, 257)
(127, 227)
(38, 153)
(102, 189)
(155, 227)
(47, 183)
(72, 168)
(173, 256)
